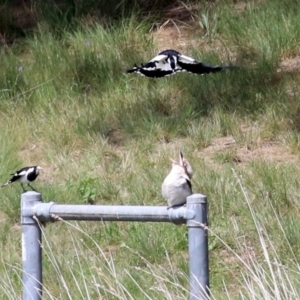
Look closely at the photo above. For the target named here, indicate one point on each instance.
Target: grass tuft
(105, 137)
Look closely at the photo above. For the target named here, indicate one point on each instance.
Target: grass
(105, 137)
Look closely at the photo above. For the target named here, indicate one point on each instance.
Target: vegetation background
(105, 137)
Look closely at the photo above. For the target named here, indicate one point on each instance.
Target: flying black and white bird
(177, 185)
(169, 62)
(24, 176)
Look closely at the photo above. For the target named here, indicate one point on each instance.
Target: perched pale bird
(177, 185)
(169, 62)
(24, 176)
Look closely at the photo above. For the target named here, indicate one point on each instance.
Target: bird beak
(173, 161)
(180, 158)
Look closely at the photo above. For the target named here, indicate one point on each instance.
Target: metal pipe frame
(198, 248)
(194, 214)
(31, 248)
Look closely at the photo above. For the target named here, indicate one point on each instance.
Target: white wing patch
(159, 58)
(30, 170)
(21, 173)
(187, 60)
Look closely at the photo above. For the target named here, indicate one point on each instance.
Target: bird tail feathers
(7, 183)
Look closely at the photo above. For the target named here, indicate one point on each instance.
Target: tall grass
(82, 267)
(105, 137)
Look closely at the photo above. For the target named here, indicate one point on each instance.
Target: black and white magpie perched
(169, 62)
(24, 176)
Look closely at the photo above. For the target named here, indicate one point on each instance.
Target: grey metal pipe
(198, 248)
(195, 212)
(51, 212)
(31, 248)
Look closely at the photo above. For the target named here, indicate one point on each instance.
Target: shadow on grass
(170, 104)
(242, 90)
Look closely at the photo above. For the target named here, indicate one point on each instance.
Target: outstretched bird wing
(189, 64)
(169, 62)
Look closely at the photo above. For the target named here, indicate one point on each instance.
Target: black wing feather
(14, 178)
(189, 184)
(155, 73)
(169, 52)
(199, 68)
(23, 169)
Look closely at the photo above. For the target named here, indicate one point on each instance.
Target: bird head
(186, 165)
(183, 163)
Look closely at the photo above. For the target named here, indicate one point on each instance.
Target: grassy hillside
(105, 137)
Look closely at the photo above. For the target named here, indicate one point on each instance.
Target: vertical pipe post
(198, 248)
(31, 247)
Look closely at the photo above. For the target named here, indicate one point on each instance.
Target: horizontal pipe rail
(50, 212)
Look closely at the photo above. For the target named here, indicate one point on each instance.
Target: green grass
(105, 137)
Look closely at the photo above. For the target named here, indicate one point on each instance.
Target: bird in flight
(177, 185)
(170, 62)
(24, 176)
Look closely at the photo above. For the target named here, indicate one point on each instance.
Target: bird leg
(24, 191)
(32, 187)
